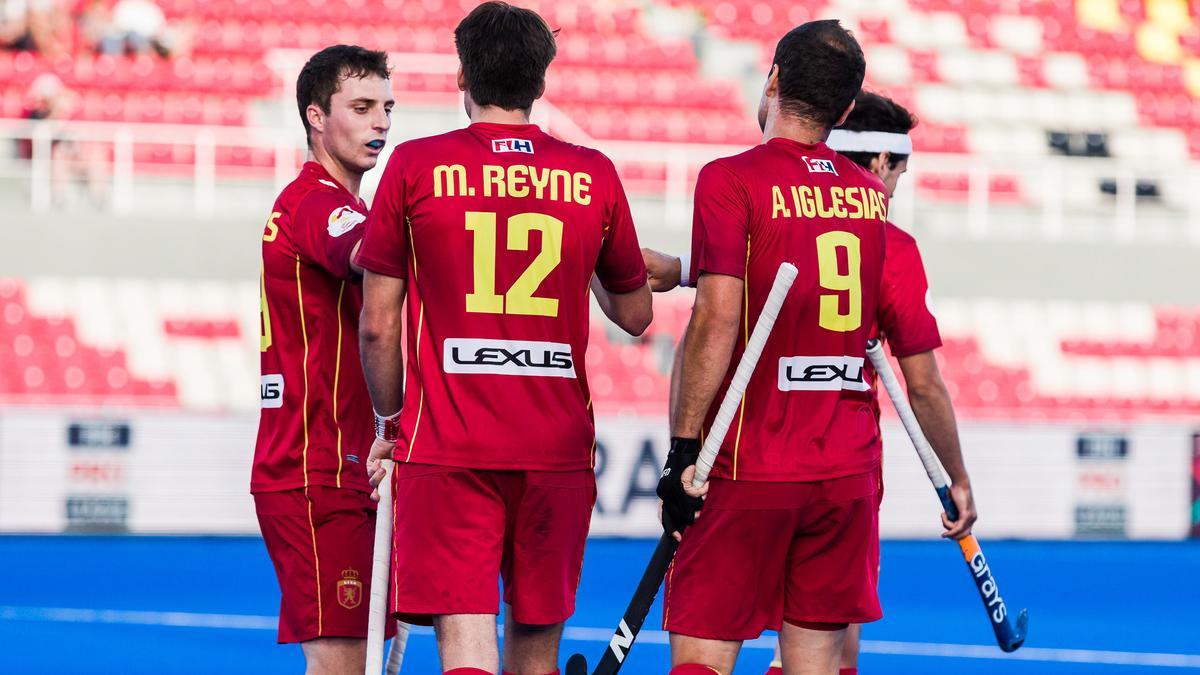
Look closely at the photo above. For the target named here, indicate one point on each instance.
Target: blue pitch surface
(81, 604)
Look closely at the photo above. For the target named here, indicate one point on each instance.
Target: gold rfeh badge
(349, 589)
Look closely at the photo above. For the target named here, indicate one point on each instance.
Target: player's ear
(879, 163)
(316, 117)
(462, 79)
(541, 91)
(842, 119)
(771, 90)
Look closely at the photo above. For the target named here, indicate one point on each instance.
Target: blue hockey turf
(81, 604)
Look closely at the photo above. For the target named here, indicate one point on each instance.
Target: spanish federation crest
(349, 589)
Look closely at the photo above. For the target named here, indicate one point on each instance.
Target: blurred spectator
(131, 27)
(49, 99)
(14, 25)
(36, 25)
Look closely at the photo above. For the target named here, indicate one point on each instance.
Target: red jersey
(316, 425)
(498, 229)
(808, 413)
(905, 317)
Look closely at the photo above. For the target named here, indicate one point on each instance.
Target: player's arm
(720, 232)
(355, 267)
(632, 311)
(328, 233)
(619, 278)
(380, 346)
(707, 347)
(384, 255)
(931, 404)
(665, 271)
(673, 392)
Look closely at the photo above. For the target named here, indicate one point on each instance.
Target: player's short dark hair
(321, 77)
(504, 51)
(821, 68)
(873, 112)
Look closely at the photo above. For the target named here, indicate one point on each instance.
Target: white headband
(841, 140)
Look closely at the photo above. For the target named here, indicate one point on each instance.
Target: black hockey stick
(635, 614)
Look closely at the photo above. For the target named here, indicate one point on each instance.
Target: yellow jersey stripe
(337, 371)
(737, 439)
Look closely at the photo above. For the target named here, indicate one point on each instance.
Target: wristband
(388, 428)
(685, 266)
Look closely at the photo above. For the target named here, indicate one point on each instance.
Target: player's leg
(446, 553)
(549, 515)
(811, 649)
(527, 646)
(467, 641)
(698, 655)
(334, 656)
(832, 574)
(849, 661)
(726, 583)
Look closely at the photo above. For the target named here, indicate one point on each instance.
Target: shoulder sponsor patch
(512, 145)
(507, 357)
(270, 391)
(818, 165)
(343, 219)
(821, 373)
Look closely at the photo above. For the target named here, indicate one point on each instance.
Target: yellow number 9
(832, 279)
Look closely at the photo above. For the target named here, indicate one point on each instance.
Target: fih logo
(513, 145)
(818, 165)
(821, 373)
(508, 357)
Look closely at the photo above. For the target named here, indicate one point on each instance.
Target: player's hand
(964, 499)
(380, 450)
(701, 492)
(680, 504)
(663, 270)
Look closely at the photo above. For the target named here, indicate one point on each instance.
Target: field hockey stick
(381, 564)
(396, 650)
(1007, 636)
(635, 614)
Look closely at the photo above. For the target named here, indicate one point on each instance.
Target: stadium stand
(92, 341)
(993, 77)
(1104, 80)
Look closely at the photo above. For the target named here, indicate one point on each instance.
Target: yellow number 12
(520, 298)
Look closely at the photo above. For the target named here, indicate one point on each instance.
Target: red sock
(694, 669)
(775, 670)
(848, 671)
(468, 671)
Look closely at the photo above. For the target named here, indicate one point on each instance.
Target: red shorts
(459, 530)
(764, 552)
(321, 545)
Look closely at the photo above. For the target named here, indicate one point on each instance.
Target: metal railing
(1053, 192)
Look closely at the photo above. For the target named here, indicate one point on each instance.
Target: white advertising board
(174, 472)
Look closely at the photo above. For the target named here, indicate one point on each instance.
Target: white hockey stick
(381, 565)
(396, 651)
(741, 377)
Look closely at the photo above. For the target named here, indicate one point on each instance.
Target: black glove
(679, 509)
